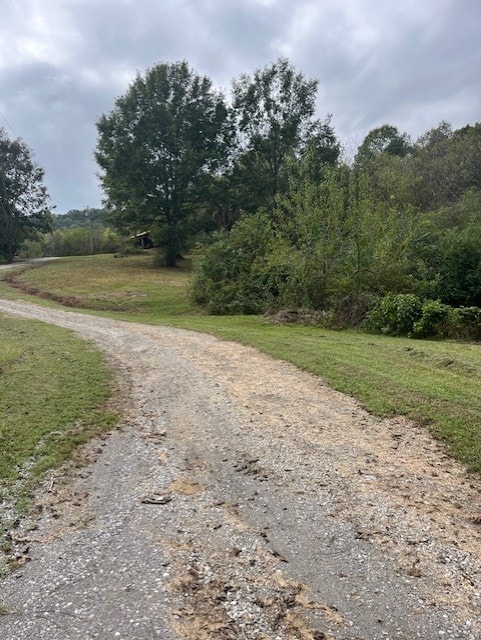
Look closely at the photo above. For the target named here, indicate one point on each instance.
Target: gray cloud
(63, 62)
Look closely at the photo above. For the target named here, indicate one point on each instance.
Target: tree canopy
(383, 140)
(275, 114)
(176, 159)
(24, 210)
(158, 150)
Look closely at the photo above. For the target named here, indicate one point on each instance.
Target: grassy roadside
(53, 390)
(435, 383)
(104, 283)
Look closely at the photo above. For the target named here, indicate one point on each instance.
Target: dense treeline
(369, 228)
(403, 219)
(257, 188)
(279, 219)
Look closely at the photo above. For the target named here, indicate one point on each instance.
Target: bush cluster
(253, 269)
(228, 272)
(408, 315)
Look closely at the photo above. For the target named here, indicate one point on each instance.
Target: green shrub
(434, 322)
(406, 315)
(460, 267)
(395, 314)
(228, 275)
(465, 323)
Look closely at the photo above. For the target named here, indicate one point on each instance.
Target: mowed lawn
(104, 283)
(53, 391)
(436, 383)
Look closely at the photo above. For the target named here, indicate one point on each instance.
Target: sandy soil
(241, 498)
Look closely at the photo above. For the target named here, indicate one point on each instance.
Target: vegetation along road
(242, 498)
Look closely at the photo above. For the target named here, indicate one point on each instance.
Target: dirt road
(241, 498)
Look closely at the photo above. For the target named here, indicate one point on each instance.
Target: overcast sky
(409, 63)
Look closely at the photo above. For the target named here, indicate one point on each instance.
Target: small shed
(143, 239)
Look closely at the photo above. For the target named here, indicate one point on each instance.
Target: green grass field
(434, 383)
(53, 390)
(130, 285)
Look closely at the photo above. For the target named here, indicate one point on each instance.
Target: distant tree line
(76, 233)
(28, 229)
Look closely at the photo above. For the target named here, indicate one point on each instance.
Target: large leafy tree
(23, 196)
(274, 111)
(382, 140)
(158, 150)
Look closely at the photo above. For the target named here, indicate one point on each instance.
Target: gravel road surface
(241, 498)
